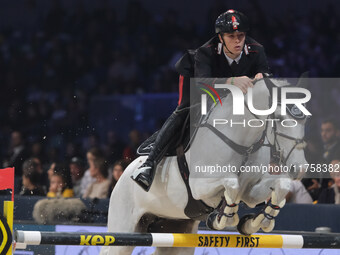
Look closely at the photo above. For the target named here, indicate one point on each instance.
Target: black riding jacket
(206, 62)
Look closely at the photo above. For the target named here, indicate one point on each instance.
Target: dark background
(78, 74)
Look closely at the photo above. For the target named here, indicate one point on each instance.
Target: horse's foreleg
(250, 224)
(277, 201)
(226, 213)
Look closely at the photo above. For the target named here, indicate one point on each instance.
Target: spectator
(17, 153)
(331, 145)
(100, 188)
(331, 149)
(329, 136)
(114, 147)
(87, 179)
(37, 151)
(60, 181)
(313, 153)
(332, 195)
(313, 150)
(77, 170)
(117, 170)
(72, 151)
(43, 182)
(312, 186)
(51, 171)
(31, 179)
(58, 186)
(129, 152)
(92, 141)
(298, 194)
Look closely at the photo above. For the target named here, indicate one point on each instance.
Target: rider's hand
(242, 82)
(258, 76)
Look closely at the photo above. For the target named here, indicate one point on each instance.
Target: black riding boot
(144, 175)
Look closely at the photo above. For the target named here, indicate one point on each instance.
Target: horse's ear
(305, 74)
(302, 83)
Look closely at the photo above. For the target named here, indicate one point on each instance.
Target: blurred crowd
(93, 178)
(49, 73)
(323, 185)
(78, 174)
(94, 174)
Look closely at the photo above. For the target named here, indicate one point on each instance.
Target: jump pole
(178, 240)
(320, 241)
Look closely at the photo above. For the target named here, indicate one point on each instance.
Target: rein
(277, 154)
(240, 149)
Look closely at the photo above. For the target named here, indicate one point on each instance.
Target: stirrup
(144, 176)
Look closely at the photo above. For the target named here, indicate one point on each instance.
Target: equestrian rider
(230, 53)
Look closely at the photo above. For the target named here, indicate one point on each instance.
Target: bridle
(276, 151)
(240, 149)
(275, 148)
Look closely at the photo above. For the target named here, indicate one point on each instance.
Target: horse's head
(286, 133)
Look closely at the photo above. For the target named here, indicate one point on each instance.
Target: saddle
(145, 148)
(179, 144)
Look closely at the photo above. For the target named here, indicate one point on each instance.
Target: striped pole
(178, 240)
(8, 214)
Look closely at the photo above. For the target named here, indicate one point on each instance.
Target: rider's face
(234, 41)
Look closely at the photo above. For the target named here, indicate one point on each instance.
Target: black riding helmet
(231, 21)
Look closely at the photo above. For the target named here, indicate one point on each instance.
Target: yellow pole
(231, 241)
(8, 214)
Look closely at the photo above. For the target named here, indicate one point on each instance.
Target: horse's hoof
(243, 221)
(220, 225)
(270, 227)
(235, 220)
(210, 220)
